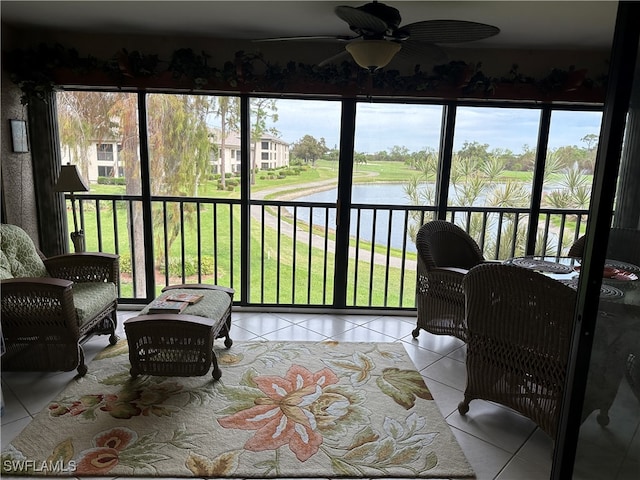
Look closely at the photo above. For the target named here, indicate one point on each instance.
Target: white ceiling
(523, 24)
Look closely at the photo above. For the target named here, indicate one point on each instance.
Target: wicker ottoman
(181, 344)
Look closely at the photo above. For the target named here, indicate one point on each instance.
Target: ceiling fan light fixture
(373, 54)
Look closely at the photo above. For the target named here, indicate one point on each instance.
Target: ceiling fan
(378, 36)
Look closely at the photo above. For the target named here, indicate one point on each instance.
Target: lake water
(380, 194)
(374, 194)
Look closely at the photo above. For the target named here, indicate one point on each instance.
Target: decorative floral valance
(47, 68)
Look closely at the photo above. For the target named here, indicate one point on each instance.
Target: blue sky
(381, 126)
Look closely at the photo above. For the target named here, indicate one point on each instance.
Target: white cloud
(381, 126)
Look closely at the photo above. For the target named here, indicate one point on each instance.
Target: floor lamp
(70, 181)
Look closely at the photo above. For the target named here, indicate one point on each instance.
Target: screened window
(104, 152)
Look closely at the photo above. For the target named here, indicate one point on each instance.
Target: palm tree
(493, 167)
(552, 166)
(468, 193)
(574, 178)
(557, 199)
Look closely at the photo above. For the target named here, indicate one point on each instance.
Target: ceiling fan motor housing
(389, 15)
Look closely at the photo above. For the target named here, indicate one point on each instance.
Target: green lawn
(277, 274)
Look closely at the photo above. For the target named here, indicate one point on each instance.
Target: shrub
(112, 181)
(125, 263)
(190, 266)
(207, 265)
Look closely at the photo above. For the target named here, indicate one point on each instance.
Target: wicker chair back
(519, 330)
(624, 245)
(445, 253)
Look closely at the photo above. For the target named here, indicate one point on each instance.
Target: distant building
(270, 152)
(103, 157)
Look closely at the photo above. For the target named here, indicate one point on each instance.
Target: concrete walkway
(317, 241)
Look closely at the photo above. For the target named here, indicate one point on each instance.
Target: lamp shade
(373, 54)
(70, 180)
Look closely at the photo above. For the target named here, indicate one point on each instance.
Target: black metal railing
(290, 259)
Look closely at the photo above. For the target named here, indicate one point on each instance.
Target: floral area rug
(281, 409)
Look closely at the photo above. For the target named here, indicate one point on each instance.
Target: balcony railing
(289, 257)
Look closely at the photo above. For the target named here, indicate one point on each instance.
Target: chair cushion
(19, 255)
(5, 267)
(90, 298)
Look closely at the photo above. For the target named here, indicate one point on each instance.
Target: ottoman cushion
(214, 303)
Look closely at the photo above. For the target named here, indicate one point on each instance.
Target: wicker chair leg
(216, 373)
(82, 368)
(463, 407)
(226, 328)
(113, 338)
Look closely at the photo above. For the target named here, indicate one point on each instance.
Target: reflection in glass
(609, 439)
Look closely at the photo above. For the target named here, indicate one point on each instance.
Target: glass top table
(616, 275)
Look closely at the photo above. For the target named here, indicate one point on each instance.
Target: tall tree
(591, 139)
(87, 118)
(478, 152)
(125, 110)
(178, 144)
(84, 120)
(399, 153)
(309, 149)
(179, 154)
(229, 113)
(263, 111)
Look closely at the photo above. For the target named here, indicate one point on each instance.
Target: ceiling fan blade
(420, 53)
(337, 58)
(449, 31)
(341, 38)
(361, 21)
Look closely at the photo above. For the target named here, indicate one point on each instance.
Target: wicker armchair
(623, 245)
(577, 248)
(51, 306)
(445, 253)
(519, 331)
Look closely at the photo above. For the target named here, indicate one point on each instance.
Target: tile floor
(499, 443)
